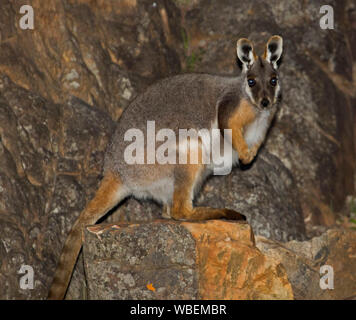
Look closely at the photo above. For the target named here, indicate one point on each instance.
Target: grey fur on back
(180, 102)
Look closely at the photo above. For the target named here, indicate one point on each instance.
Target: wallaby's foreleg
(245, 154)
(182, 207)
(243, 115)
(110, 192)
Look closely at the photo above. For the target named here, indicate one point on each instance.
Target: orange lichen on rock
(231, 267)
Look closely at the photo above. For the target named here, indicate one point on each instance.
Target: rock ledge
(166, 259)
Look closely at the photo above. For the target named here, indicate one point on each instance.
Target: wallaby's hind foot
(110, 192)
(182, 207)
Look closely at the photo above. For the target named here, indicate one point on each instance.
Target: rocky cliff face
(65, 83)
(102, 52)
(51, 159)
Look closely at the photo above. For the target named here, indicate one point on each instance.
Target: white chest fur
(256, 131)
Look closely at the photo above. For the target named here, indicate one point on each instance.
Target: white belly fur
(161, 191)
(256, 131)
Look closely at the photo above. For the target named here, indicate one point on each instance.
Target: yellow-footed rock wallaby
(242, 106)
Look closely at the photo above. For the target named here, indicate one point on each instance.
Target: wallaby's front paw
(233, 215)
(247, 157)
(254, 150)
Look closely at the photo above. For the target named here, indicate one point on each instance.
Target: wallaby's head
(260, 74)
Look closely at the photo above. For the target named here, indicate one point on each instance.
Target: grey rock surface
(304, 261)
(121, 263)
(51, 159)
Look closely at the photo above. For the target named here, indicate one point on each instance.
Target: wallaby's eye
(251, 82)
(273, 81)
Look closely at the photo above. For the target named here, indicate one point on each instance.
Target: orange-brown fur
(243, 115)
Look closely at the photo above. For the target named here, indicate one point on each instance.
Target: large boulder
(216, 259)
(180, 260)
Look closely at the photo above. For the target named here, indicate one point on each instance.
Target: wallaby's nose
(264, 102)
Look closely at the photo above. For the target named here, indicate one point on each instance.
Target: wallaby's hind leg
(182, 207)
(110, 192)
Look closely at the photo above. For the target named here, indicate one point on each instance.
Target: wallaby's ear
(245, 52)
(273, 50)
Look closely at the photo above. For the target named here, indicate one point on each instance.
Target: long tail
(108, 195)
